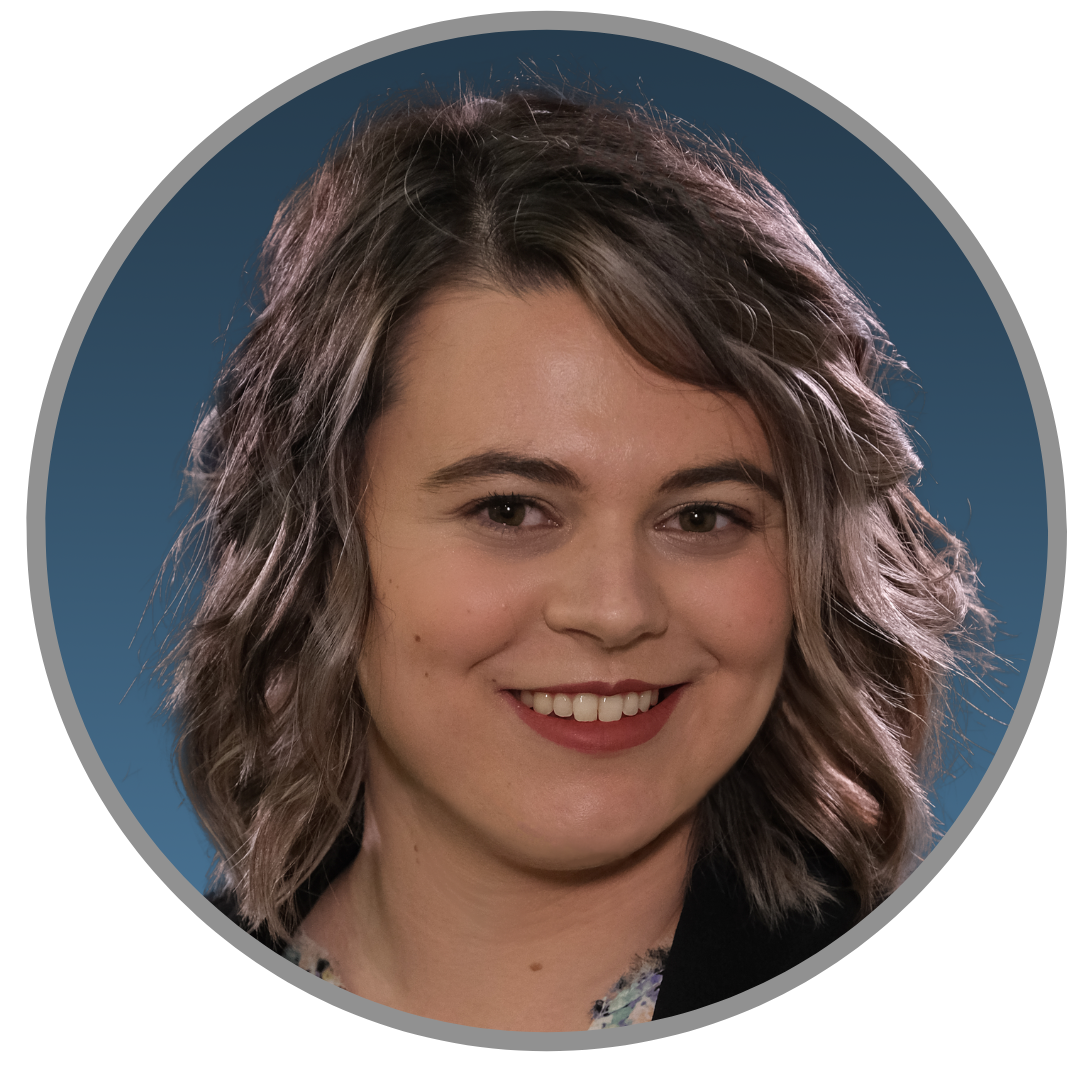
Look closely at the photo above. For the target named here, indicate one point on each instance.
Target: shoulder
(722, 947)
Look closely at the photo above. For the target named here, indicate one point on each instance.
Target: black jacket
(721, 947)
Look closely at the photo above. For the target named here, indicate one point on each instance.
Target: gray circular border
(625, 27)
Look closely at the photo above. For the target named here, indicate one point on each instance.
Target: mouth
(587, 707)
(586, 718)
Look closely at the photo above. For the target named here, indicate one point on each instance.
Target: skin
(506, 881)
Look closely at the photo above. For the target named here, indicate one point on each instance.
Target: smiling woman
(572, 650)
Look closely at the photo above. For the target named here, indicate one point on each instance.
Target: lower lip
(594, 737)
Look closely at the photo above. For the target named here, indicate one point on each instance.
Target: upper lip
(602, 689)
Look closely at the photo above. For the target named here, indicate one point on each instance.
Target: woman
(572, 649)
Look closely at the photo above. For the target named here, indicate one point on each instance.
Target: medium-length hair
(692, 258)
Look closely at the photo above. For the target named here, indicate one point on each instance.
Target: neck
(429, 921)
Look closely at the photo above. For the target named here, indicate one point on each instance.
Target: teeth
(588, 707)
(585, 707)
(541, 703)
(610, 708)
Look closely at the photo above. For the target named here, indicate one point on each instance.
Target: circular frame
(628, 28)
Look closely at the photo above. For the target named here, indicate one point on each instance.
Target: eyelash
(479, 508)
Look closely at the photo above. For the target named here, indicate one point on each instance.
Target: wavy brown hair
(693, 258)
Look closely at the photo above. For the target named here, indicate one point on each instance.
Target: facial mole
(416, 637)
(535, 965)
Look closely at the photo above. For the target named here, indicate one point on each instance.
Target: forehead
(540, 373)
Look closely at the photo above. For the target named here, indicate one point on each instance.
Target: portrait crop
(563, 631)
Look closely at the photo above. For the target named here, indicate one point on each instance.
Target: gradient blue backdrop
(178, 304)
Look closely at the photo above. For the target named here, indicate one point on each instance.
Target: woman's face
(546, 514)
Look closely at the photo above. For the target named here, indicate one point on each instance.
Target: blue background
(178, 304)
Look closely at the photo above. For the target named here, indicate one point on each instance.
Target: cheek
(744, 618)
(442, 614)
(423, 675)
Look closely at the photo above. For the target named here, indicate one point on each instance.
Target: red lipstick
(596, 737)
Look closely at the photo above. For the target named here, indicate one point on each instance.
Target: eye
(700, 518)
(507, 511)
(697, 519)
(510, 512)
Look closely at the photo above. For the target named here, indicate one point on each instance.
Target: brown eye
(698, 519)
(507, 512)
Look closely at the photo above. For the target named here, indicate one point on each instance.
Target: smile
(586, 708)
(565, 714)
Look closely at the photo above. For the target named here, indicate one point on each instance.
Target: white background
(106, 971)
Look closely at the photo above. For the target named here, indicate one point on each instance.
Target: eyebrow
(494, 463)
(501, 463)
(721, 472)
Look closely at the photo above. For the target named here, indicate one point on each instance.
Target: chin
(597, 841)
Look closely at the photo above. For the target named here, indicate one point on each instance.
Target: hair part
(690, 256)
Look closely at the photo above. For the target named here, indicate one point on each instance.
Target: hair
(688, 254)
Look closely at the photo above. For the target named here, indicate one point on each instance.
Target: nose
(606, 590)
